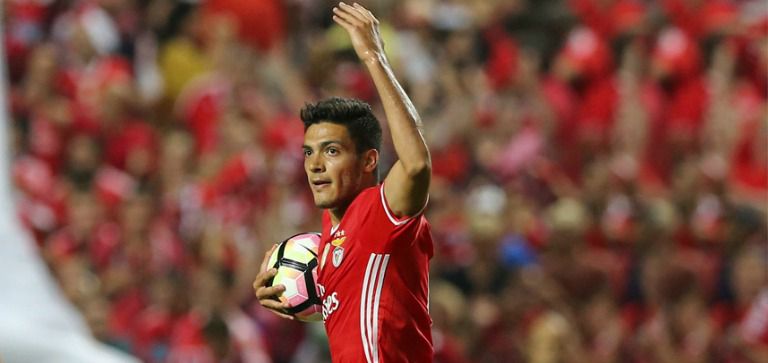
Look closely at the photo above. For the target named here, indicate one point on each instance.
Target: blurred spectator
(747, 333)
(681, 331)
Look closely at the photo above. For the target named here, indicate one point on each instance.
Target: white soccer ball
(296, 262)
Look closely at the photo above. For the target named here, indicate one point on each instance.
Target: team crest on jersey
(338, 241)
(338, 255)
(338, 238)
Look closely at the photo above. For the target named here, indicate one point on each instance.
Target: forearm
(404, 122)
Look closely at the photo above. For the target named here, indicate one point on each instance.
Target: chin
(324, 204)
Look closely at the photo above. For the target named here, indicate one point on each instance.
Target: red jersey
(374, 283)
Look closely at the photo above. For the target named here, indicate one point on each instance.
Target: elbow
(420, 168)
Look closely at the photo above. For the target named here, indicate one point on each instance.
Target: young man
(376, 244)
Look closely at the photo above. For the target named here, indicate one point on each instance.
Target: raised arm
(407, 184)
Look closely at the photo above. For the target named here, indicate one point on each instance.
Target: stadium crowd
(600, 167)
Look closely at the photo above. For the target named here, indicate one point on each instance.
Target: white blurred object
(484, 207)
(97, 25)
(100, 29)
(451, 16)
(488, 200)
(148, 76)
(37, 323)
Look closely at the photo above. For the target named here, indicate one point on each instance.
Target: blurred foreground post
(37, 323)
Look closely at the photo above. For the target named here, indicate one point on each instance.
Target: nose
(314, 163)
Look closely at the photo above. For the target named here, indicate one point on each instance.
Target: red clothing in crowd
(751, 326)
(265, 33)
(98, 246)
(700, 20)
(611, 20)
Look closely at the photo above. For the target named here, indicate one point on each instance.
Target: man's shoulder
(366, 196)
(365, 203)
(371, 206)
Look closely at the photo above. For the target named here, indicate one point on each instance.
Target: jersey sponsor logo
(321, 289)
(338, 255)
(330, 304)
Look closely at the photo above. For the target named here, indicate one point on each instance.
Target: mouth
(320, 183)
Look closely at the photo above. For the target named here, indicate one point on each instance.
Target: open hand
(363, 30)
(268, 296)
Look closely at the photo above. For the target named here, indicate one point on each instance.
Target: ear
(370, 160)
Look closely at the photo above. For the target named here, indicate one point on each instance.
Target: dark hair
(356, 115)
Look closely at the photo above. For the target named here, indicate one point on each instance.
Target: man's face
(334, 169)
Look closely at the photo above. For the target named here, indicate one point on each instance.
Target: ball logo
(338, 255)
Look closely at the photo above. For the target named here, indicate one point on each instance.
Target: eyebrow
(323, 144)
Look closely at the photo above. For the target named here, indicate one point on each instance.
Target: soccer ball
(296, 262)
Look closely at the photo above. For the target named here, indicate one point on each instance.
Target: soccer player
(376, 244)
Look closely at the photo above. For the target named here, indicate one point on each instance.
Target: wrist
(372, 58)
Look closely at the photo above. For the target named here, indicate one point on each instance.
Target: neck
(338, 212)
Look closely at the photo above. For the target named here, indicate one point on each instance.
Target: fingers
(267, 255)
(347, 21)
(285, 316)
(268, 295)
(269, 292)
(367, 13)
(263, 277)
(355, 12)
(353, 15)
(276, 306)
(349, 27)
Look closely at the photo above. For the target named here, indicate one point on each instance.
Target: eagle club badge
(338, 251)
(338, 255)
